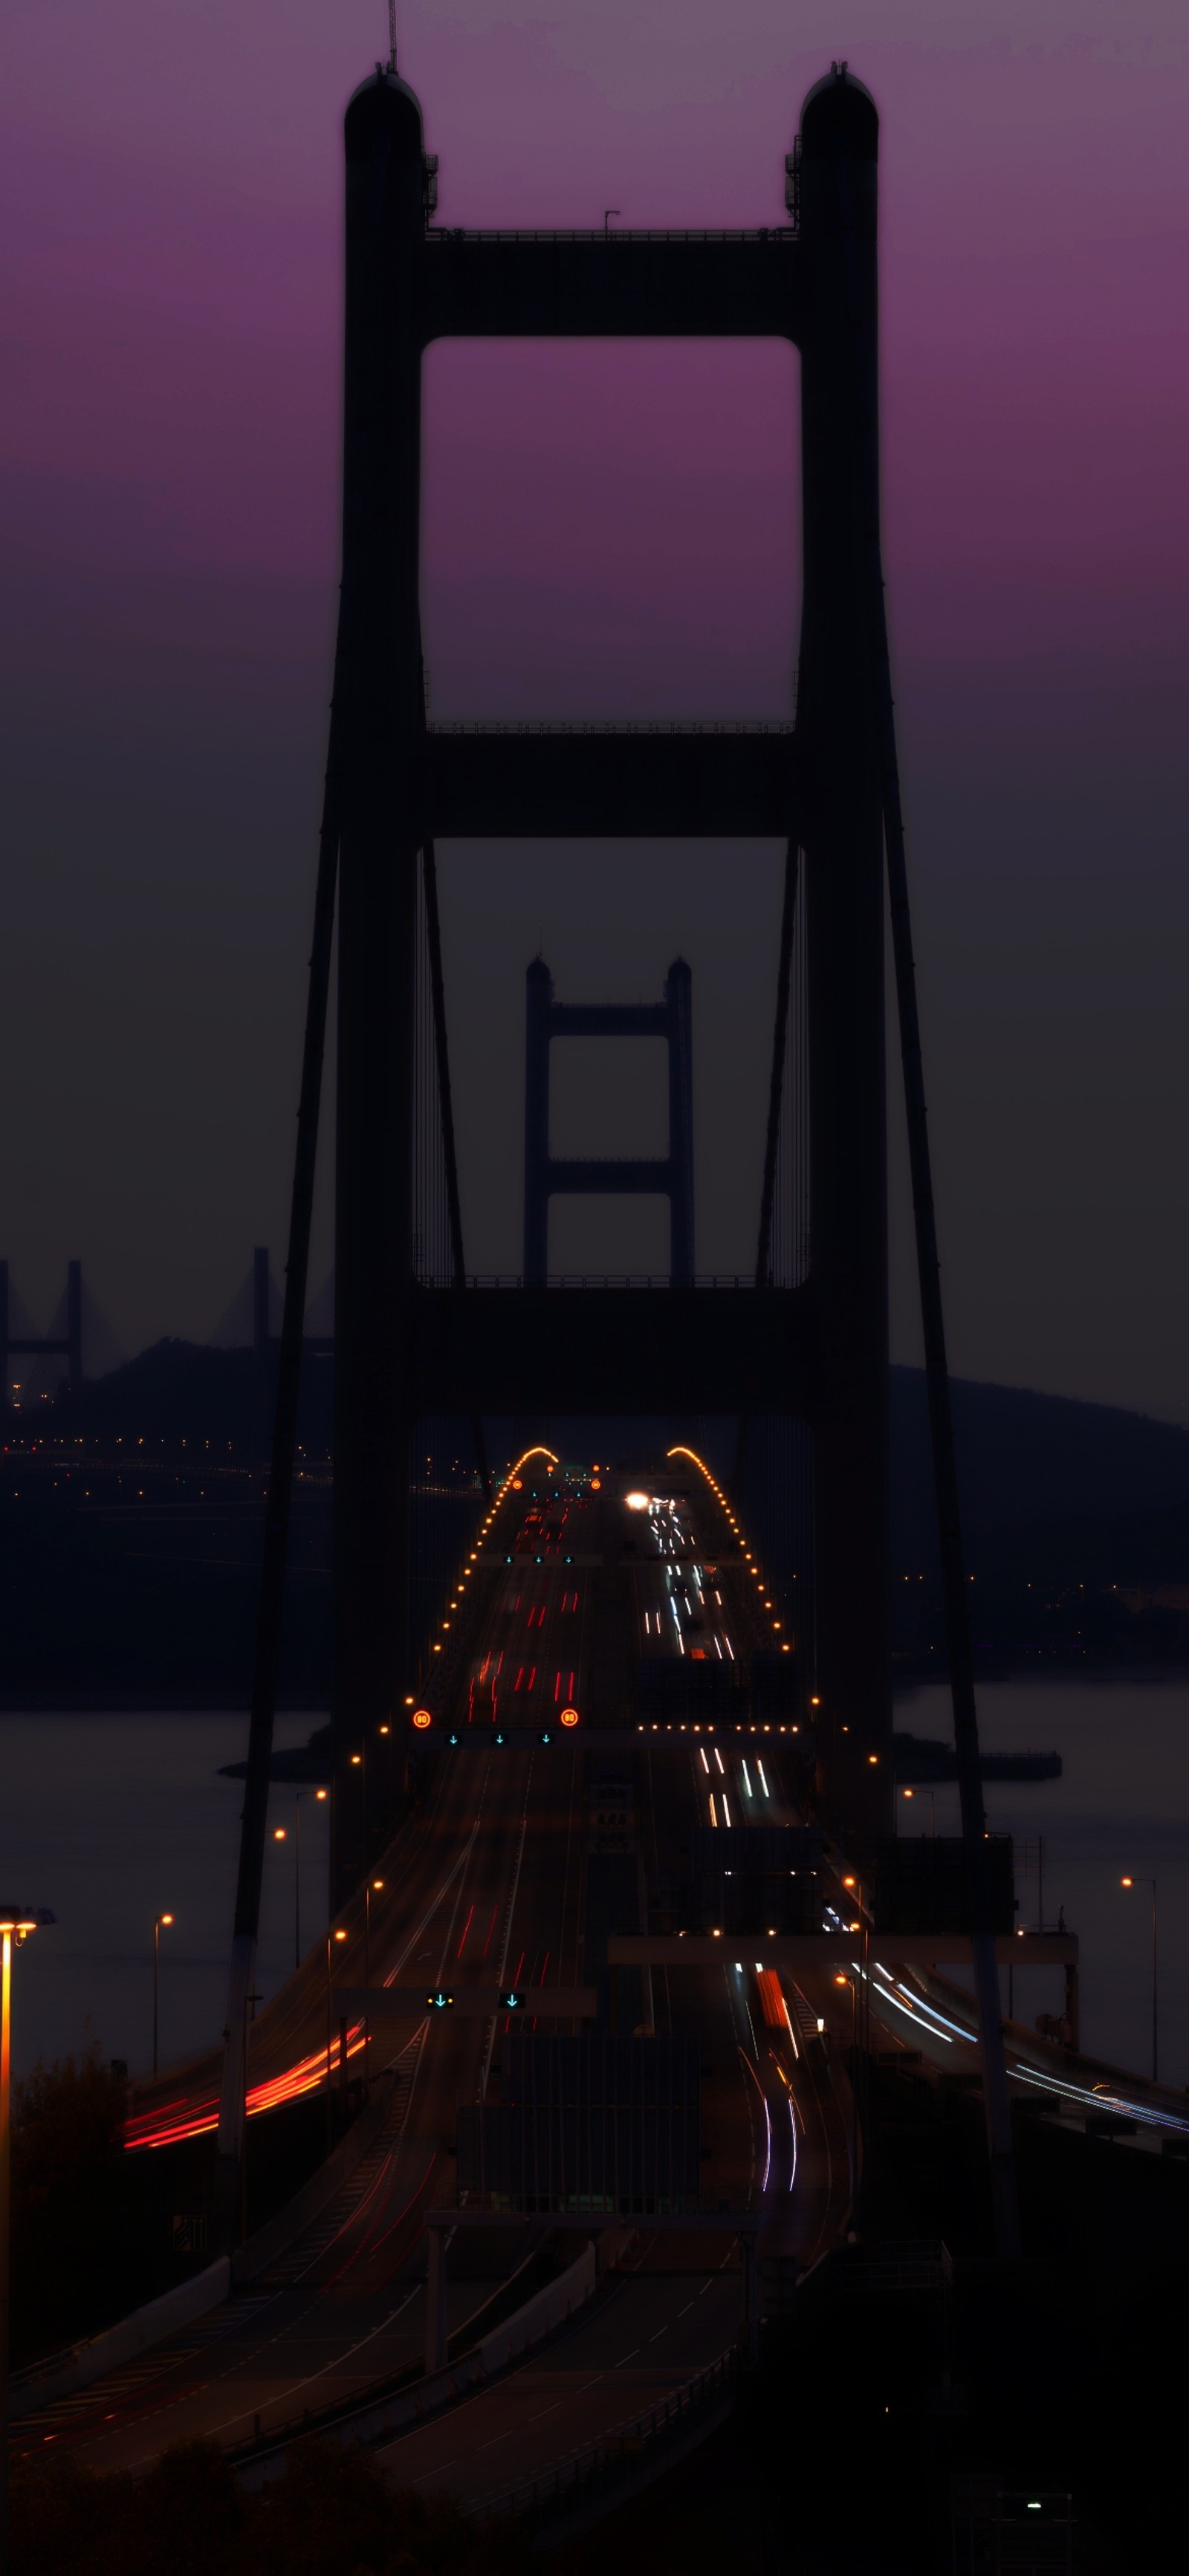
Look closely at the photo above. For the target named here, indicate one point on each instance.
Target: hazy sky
(609, 529)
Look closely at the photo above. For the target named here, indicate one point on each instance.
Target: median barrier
(406, 2408)
(64, 2372)
(259, 2251)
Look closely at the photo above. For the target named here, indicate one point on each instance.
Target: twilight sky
(609, 530)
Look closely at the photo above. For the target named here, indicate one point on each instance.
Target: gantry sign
(818, 1351)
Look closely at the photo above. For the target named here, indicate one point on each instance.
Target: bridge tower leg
(538, 1030)
(838, 717)
(679, 1005)
(382, 830)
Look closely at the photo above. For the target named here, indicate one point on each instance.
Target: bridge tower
(818, 1351)
(68, 1344)
(827, 786)
(668, 1176)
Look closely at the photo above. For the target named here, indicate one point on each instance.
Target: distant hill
(177, 1391)
(1026, 1459)
(135, 1561)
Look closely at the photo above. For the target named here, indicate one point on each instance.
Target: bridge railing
(625, 2456)
(620, 1279)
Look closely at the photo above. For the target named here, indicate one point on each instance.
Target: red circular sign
(569, 1717)
(422, 1718)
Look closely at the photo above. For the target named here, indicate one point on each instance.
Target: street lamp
(158, 1921)
(911, 1793)
(853, 1983)
(16, 1923)
(280, 1834)
(331, 1937)
(1149, 1882)
(377, 1884)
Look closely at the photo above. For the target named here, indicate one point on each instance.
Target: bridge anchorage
(807, 1339)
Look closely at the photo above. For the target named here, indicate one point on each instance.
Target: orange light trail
(177, 2120)
(772, 2002)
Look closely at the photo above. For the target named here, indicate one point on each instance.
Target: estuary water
(112, 1820)
(1120, 1807)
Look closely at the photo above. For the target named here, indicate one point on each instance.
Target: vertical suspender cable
(232, 2105)
(776, 1082)
(775, 1089)
(945, 1477)
(446, 1104)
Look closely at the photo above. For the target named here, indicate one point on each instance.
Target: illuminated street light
(1149, 1882)
(16, 1923)
(331, 1938)
(160, 1919)
(373, 1884)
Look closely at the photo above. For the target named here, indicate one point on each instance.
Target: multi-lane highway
(576, 1587)
(568, 1586)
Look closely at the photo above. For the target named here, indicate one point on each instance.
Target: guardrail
(406, 2399)
(636, 1280)
(628, 2456)
(62, 2374)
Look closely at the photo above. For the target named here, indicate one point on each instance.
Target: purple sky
(608, 530)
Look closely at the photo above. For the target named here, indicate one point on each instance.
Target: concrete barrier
(66, 2371)
(502, 2350)
(257, 2252)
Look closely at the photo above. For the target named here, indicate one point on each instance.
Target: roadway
(485, 1885)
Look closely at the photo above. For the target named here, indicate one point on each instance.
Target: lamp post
(911, 1793)
(16, 1923)
(376, 1884)
(157, 1923)
(852, 1982)
(331, 1937)
(359, 1763)
(1149, 1882)
(280, 1835)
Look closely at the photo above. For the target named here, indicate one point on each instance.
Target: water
(111, 1820)
(1121, 1806)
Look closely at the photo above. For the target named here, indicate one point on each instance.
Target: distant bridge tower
(547, 1176)
(67, 1343)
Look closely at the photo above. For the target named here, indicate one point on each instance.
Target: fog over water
(113, 1819)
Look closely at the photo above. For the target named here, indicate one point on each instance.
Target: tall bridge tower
(818, 1350)
(408, 1345)
(549, 1176)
